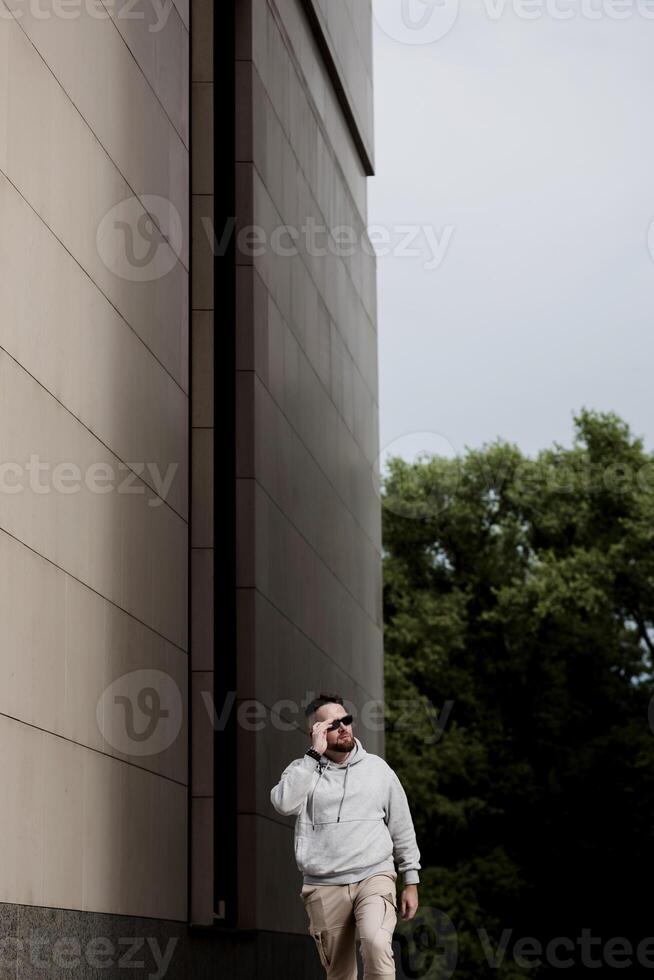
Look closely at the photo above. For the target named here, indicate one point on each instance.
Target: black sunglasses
(345, 719)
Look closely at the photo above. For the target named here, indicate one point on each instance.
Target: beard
(345, 743)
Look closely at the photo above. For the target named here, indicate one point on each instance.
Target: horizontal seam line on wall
(309, 451)
(91, 748)
(145, 77)
(312, 547)
(252, 265)
(94, 283)
(177, 11)
(296, 626)
(94, 134)
(94, 435)
(344, 182)
(111, 602)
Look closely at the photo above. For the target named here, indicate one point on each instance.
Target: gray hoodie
(353, 818)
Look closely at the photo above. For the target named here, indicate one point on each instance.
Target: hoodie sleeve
(291, 791)
(400, 826)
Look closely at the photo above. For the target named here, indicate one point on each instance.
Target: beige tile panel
(202, 515)
(251, 320)
(354, 671)
(155, 875)
(63, 645)
(266, 850)
(158, 40)
(288, 472)
(93, 363)
(302, 94)
(202, 738)
(22, 812)
(302, 283)
(285, 664)
(130, 552)
(132, 650)
(202, 611)
(244, 120)
(56, 163)
(203, 138)
(202, 861)
(292, 577)
(286, 155)
(202, 46)
(354, 63)
(79, 829)
(202, 367)
(183, 9)
(92, 63)
(361, 15)
(204, 237)
(315, 418)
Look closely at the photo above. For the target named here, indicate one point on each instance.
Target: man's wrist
(313, 753)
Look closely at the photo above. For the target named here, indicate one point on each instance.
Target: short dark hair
(320, 700)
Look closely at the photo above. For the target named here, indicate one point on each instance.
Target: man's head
(329, 707)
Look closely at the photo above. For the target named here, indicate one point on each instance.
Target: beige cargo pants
(339, 914)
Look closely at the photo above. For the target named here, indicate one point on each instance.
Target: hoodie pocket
(335, 848)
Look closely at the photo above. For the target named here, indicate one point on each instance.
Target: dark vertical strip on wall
(189, 563)
(225, 787)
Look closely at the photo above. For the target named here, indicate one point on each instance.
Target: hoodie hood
(326, 764)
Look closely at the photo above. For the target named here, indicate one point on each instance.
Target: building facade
(190, 531)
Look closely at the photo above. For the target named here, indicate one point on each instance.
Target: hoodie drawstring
(347, 769)
(313, 797)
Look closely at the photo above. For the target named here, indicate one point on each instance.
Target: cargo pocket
(322, 949)
(390, 913)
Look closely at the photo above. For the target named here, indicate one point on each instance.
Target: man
(353, 821)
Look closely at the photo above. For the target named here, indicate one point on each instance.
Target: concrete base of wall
(63, 943)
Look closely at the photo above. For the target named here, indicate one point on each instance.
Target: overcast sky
(527, 146)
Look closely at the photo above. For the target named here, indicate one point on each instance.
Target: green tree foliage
(521, 590)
